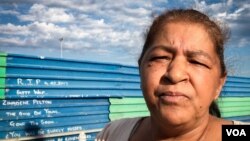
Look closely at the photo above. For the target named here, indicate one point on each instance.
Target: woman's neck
(194, 130)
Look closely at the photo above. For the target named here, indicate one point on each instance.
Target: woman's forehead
(183, 29)
(182, 35)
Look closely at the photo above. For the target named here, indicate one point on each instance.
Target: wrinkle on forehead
(185, 30)
(188, 39)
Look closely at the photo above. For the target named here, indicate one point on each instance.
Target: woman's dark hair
(217, 34)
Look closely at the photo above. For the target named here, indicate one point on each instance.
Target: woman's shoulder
(118, 129)
(223, 121)
(236, 122)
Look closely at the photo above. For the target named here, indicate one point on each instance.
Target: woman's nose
(177, 71)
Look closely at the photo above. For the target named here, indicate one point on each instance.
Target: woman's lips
(172, 97)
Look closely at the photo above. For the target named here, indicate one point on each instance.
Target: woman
(182, 72)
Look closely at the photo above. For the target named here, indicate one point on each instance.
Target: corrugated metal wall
(127, 107)
(43, 95)
(58, 98)
(235, 99)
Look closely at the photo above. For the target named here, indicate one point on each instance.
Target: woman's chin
(175, 117)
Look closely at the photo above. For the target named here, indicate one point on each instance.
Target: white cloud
(200, 5)
(31, 34)
(39, 12)
(243, 42)
(119, 12)
(43, 29)
(99, 26)
(234, 13)
(10, 12)
(104, 26)
(38, 32)
(11, 29)
(229, 2)
(13, 40)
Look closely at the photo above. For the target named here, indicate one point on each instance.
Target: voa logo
(236, 132)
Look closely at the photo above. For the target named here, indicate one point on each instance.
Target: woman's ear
(222, 81)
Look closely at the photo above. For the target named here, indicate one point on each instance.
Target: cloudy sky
(109, 30)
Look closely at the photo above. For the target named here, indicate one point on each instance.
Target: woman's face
(180, 74)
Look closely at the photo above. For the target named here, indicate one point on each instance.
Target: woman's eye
(198, 63)
(160, 58)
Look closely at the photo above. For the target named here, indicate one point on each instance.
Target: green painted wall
(2, 73)
(127, 100)
(234, 106)
(127, 107)
(136, 107)
(114, 116)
